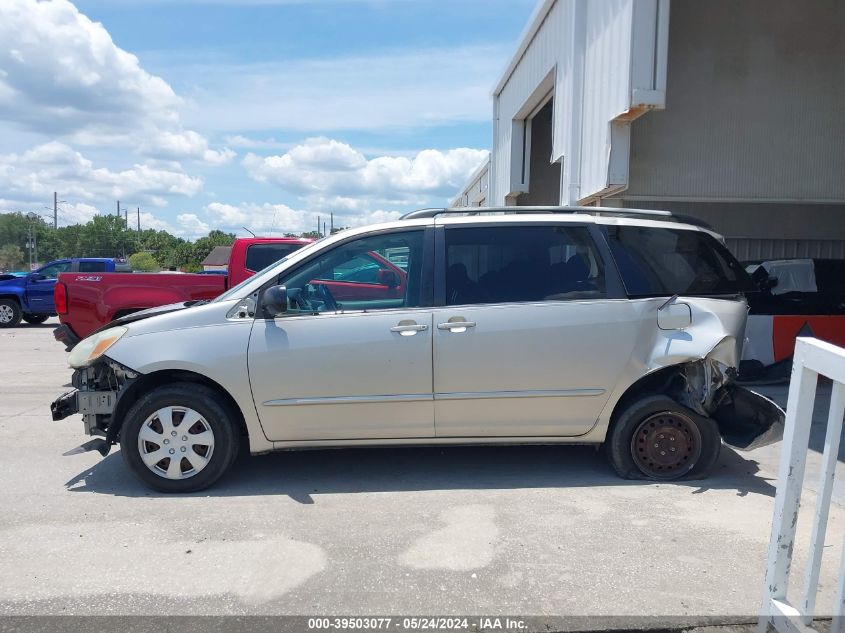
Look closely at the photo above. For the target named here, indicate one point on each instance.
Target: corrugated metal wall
(475, 193)
(746, 248)
(600, 55)
(754, 105)
(543, 53)
(607, 89)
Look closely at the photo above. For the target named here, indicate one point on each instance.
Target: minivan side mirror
(274, 301)
(674, 316)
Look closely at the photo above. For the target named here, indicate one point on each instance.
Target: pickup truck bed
(90, 299)
(87, 302)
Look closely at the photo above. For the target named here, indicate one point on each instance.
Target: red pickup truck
(87, 301)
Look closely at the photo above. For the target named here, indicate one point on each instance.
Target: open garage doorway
(543, 175)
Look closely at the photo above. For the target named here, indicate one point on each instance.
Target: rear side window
(506, 264)
(259, 256)
(92, 267)
(659, 261)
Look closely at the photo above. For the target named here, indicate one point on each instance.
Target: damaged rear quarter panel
(707, 353)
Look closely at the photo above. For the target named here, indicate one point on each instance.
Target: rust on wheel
(666, 445)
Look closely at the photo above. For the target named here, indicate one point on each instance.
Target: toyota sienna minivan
(612, 327)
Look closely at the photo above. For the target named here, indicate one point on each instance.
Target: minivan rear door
(533, 334)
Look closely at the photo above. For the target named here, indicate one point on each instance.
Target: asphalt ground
(538, 531)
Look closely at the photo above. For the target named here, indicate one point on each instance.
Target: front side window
(260, 256)
(659, 261)
(505, 264)
(358, 275)
(51, 272)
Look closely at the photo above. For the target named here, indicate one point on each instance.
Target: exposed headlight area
(97, 389)
(90, 349)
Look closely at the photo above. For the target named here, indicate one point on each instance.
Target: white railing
(812, 359)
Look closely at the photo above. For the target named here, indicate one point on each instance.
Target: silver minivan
(515, 325)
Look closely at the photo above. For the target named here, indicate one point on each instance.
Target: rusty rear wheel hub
(666, 445)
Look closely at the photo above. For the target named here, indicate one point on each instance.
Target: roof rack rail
(648, 214)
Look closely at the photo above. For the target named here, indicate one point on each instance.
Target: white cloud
(68, 213)
(239, 140)
(35, 174)
(322, 167)
(187, 144)
(63, 76)
(276, 219)
(192, 225)
(76, 213)
(382, 91)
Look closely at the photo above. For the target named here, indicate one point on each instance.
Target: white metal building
(730, 111)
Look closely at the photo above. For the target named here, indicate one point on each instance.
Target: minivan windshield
(662, 261)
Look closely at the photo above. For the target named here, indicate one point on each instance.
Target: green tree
(204, 245)
(143, 262)
(11, 257)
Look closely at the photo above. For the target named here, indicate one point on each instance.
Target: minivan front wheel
(179, 438)
(656, 438)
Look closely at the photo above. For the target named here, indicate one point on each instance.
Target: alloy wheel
(7, 315)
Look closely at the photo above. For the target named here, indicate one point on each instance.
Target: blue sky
(264, 113)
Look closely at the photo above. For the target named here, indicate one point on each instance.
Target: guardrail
(812, 358)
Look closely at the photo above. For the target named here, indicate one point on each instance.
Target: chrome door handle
(408, 328)
(456, 326)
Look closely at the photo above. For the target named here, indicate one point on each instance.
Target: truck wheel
(10, 313)
(179, 438)
(656, 438)
(35, 319)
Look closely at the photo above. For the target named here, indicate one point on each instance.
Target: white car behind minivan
(455, 326)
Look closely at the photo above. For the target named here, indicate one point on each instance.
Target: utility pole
(126, 218)
(318, 227)
(139, 219)
(331, 224)
(29, 246)
(33, 239)
(55, 210)
(118, 208)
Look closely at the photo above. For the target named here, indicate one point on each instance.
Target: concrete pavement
(486, 530)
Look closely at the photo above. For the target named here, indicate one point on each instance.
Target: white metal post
(825, 492)
(812, 358)
(799, 413)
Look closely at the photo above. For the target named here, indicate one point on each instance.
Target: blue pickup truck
(30, 297)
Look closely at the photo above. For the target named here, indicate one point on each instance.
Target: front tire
(10, 313)
(656, 438)
(179, 438)
(35, 319)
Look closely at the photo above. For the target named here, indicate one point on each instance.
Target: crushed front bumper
(84, 402)
(96, 392)
(65, 405)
